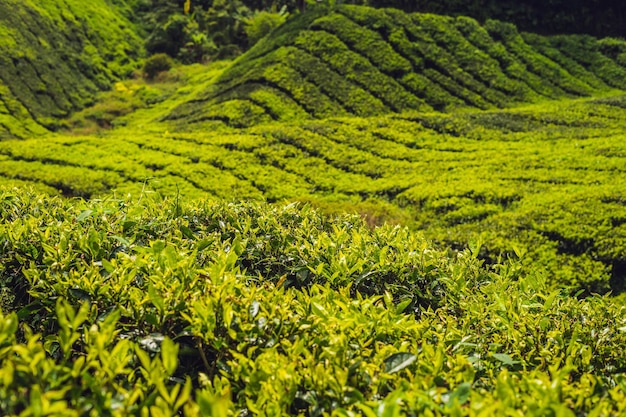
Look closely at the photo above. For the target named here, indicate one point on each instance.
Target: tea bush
(155, 64)
(163, 307)
(261, 23)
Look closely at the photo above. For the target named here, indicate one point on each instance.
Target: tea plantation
(365, 62)
(369, 212)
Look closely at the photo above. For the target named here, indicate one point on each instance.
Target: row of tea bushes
(155, 307)
(362, 61)
(550, 175)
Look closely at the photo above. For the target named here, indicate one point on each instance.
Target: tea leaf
(399, 361)
(254, 308)
(83, 215)
(505, 359)
(461, 395)
(79, 294)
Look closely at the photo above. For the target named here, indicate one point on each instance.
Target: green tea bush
(156, 64)
(165, 308)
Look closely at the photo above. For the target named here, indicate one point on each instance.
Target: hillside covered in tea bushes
(545, 180)
(369, 212)
(55, 55)
(359, 61)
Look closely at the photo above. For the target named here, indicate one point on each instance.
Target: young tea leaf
(403, 305)
(169, 355)
(83, 215)
(505, 359)
(254, 309)
(399, 361)
(156, 298)
(122, 241)
(187, 232)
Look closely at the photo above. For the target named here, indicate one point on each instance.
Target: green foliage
(261, 23)
(506, 175)
(155, 64)
(53, 376)
(594, 17)
(353, 60)
(359, 61)
(208, 30)
(55, 57)
(124, 99)
(161, 307)
(141, 303)
(587, 52)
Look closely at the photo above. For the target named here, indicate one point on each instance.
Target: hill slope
(55, 55)
(363, 61)
(546, 180)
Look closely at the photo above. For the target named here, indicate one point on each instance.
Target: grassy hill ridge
(55, 56)
(364, 62)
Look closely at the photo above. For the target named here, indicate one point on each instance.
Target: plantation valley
(240, 208)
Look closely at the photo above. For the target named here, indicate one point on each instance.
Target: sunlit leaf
(254, 308)
(399, 361)
(505, 359)
(152, 343)
(83, 215)
(169, 355)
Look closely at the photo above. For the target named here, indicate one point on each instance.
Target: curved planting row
(364, 62)
(486, 175)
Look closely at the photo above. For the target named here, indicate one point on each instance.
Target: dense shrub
(156, 64)
(166, 308)
(261, 23)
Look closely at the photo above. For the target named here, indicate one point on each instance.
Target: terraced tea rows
(546, 180)
(365, 62)
(55, 55)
